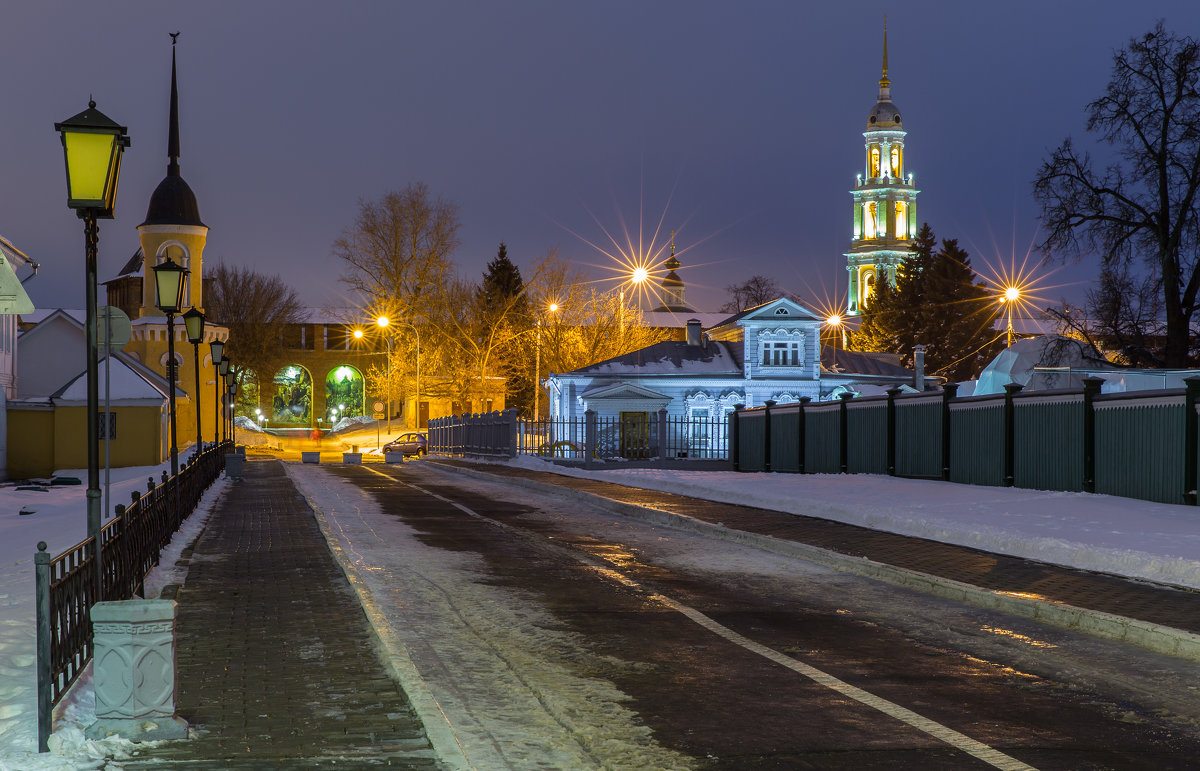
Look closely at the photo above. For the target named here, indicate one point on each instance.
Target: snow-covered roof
(41, 314)
(679, 320)
(860, 363)
(129, 381)
(672, 357)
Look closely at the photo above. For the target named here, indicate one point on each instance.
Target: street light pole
(193, 320)
(169, 286)
(1011, 295)
(217, 347)
(92, 148)
(222, 387)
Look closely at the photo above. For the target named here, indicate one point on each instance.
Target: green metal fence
(1137, 445)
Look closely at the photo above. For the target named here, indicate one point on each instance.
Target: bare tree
(256, 308)
(398, 250)
(1143, 206)
(755, 291)
(589, 326)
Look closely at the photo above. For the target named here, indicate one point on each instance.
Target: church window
(868, 286)
(901, 219)
(875, 161)
(895, 161)
(870, 229)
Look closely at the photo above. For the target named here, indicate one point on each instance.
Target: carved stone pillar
(134, 670)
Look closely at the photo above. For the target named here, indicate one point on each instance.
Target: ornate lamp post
(92, 148)
(168, 287)
(233, 389)
(193, 321)
(222, 388)
(217, 347)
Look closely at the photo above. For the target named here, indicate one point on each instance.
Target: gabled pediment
(781, 310)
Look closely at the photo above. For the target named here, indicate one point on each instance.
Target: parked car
(412, 443)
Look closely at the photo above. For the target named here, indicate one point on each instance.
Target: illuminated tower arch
(885, 201)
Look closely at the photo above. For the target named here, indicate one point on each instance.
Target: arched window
(895, 161)
(293, 395)
(870, 221)
(344, 392)
(868, 285)
(901, 219)
(875, 165)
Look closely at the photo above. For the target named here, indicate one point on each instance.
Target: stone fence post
(134, 670)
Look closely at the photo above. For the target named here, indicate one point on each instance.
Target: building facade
(770, 352)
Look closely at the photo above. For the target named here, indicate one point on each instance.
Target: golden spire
(884, 80)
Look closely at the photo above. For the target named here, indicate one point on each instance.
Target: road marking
(977, 749)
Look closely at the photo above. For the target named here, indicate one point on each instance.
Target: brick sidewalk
(276, 662)
(1119, 596)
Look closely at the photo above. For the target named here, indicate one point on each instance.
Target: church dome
(173, 203)
(672, 279)
(885, 114)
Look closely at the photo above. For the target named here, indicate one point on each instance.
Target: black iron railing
(646, 436)
(131, 545)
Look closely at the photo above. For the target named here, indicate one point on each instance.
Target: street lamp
(168, 287)
(1011, 295)
(193, 320)
(92, 148)
(233, 389)
(384, 322)
(222, 387)
(636, 278)
(835, 321)
(537, 367)
(218, 351)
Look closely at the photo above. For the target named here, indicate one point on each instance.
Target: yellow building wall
(30, 442)
(138, 442)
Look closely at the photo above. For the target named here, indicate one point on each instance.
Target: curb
(1144, 634)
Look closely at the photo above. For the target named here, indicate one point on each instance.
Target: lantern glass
(218, 351)
(168, 285)
(92, 148)
(193, 319)
(224, 367)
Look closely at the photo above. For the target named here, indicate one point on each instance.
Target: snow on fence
(131, 544)
(1136, 444)
(630, 436)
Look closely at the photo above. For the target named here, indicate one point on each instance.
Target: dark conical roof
(173, 202)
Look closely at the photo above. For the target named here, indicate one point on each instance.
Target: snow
(1152, 541)
(60, 520)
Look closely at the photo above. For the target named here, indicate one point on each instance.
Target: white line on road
(938, 731)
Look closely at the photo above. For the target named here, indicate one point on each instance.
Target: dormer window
(781, 311)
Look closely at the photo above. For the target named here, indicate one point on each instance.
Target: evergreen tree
(502, 282)
(502, 300)
(936, 303)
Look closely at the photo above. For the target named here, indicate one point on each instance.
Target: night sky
(737, 124)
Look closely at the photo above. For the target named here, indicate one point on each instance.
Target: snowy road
(550, 635)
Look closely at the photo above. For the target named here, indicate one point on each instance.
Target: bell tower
(885, 201)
